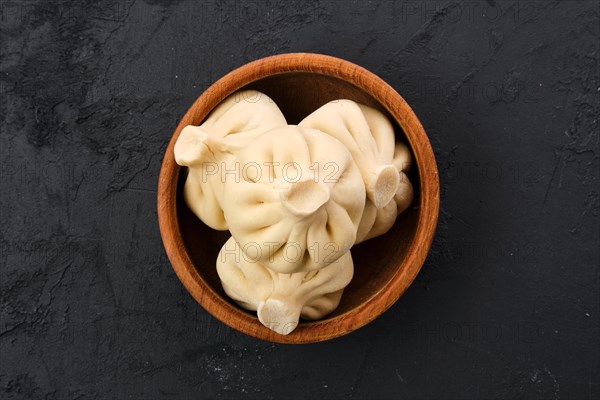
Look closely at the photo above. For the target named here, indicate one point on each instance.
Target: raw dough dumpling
(281, 299)
(376, 222)
(207, 150)
(369, 136)
(366, 133)
(298, 201)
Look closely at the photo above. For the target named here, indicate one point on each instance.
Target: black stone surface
(507, 305)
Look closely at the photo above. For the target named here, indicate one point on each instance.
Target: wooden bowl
(385, 266)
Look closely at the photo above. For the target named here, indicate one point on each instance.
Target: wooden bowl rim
(389, 99)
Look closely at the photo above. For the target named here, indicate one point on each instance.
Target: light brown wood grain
(384, 267)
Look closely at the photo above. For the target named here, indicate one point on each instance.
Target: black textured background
(507, 304)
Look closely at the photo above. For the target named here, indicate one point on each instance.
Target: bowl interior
(375, 261)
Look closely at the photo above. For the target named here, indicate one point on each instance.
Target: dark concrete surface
(507, 305)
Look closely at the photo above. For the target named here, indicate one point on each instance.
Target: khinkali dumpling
(298, 200)
(369, 136)
(375, 221)
(207, 150)
(281, 299)
(365, 135)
